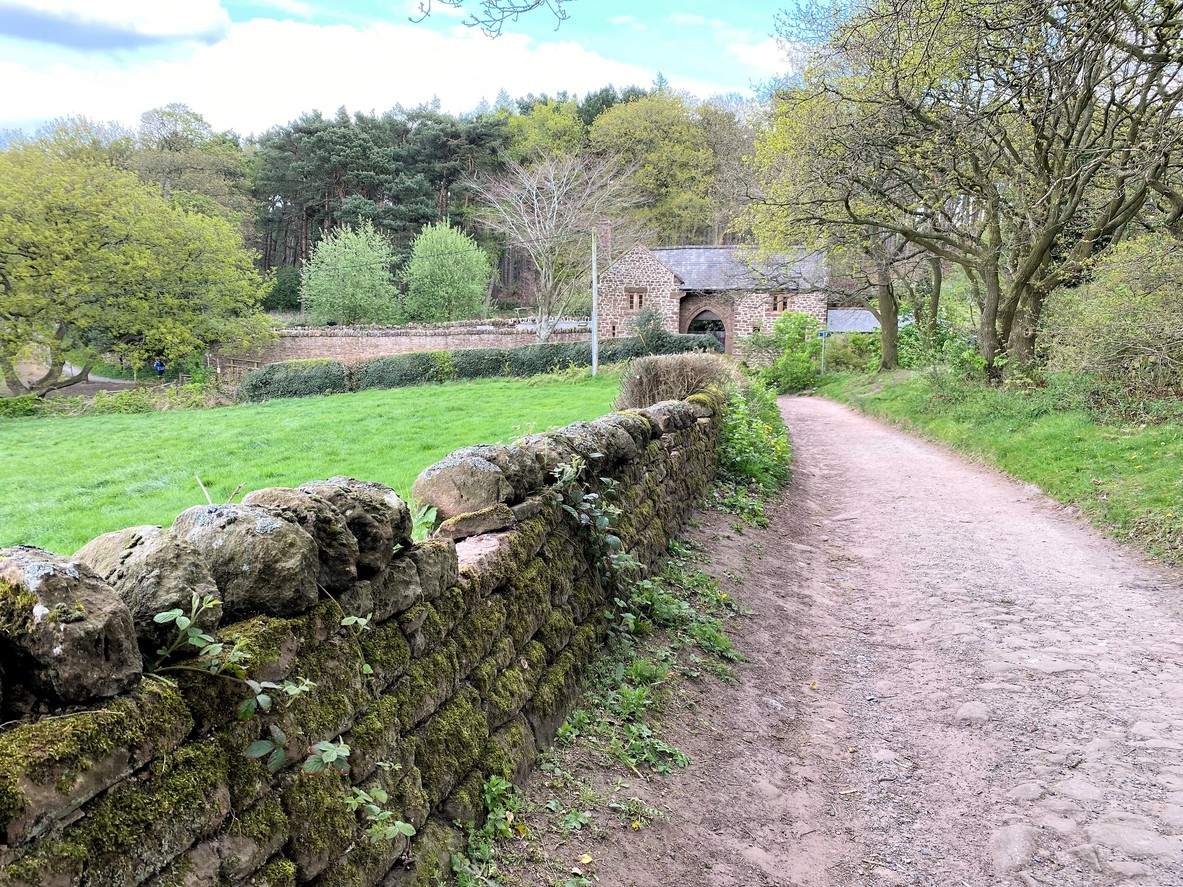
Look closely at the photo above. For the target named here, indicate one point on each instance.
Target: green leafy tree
(447, 277)
(548, 127)
(348, 279)
(94, 262)
(657, 136)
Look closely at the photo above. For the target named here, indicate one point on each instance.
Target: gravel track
(952, 681)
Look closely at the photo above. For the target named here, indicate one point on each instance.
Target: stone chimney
(604, 236)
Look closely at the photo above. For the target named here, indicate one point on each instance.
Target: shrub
(649, 380)
(294, 378)
(418, 368)
(480, 363)
(18, 407)
(753, 444)
(852, 352)
(347, 279)
(789, 353)
(1124, 327)
(447, 276)
(284, 294)
(533, 360)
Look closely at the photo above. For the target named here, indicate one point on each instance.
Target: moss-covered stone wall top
(436, 664)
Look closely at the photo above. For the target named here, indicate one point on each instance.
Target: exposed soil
(952, 681)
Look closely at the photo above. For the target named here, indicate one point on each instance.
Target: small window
(636, 297)
(780, 302)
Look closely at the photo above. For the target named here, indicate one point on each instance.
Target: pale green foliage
(1125, 325)
(348, 278)
(789, 353)
(548, 127)
(447, 276)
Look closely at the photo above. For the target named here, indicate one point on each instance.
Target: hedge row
(302, 378)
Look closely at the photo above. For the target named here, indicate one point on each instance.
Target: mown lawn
(1127, 478)
(65, 480)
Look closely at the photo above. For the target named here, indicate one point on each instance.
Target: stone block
(461, 484)
(153, 571)
(261, 563)
(336, 545)
(377, 517)
(65, 635)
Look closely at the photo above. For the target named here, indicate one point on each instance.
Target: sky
(248, 65)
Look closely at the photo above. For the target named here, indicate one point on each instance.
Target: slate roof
(737, 268)
(857, 320)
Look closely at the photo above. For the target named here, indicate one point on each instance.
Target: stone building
(710, 289)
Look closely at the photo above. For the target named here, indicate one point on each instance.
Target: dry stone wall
(477, 641)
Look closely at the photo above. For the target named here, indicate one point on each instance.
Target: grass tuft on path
(1128, 479)
(65, 480)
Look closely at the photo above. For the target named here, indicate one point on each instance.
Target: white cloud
(148, 18)
(298, 8)
(364, 68)
(765, 57)
(688, 19)
(627, 21)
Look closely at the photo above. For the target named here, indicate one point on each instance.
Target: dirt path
(952, 682)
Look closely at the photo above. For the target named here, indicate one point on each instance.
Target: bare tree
(549, 211)
(491, 15)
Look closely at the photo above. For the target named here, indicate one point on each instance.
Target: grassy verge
(1125, 478)
(65, 480)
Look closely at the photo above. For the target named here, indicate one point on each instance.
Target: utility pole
(595, 312)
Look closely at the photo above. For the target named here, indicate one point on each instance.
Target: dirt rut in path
(952, 682)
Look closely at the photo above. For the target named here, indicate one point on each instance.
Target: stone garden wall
(357, 344)
(476, 643)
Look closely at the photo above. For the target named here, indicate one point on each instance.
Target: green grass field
(66, 480)
(1127, 479)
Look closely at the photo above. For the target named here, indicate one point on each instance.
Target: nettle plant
(229, 662)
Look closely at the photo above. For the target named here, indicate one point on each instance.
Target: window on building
(636, 297)
(780, 301)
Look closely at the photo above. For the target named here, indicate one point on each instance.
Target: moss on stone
(450, 606)
(16, 608)
(375, 736)
(50, 767)
(475, 634)
(427, 683)
(527, 602)
(514, 686)
(386, 651)
(278, 873)
(137, 827)
(322, 827)
(431, 862)
(335, 667)
(450, 743)
(485, 674)
(557, 630)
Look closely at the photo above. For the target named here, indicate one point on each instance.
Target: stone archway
(709, 322)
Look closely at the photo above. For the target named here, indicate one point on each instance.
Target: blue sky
(250, 64)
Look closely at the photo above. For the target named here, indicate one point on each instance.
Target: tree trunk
(889, 322)
(15, 386)
(934, 300)
(988, 328)
(1025, 328)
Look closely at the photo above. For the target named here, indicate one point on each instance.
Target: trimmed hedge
(295, 378)
(300, 378)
